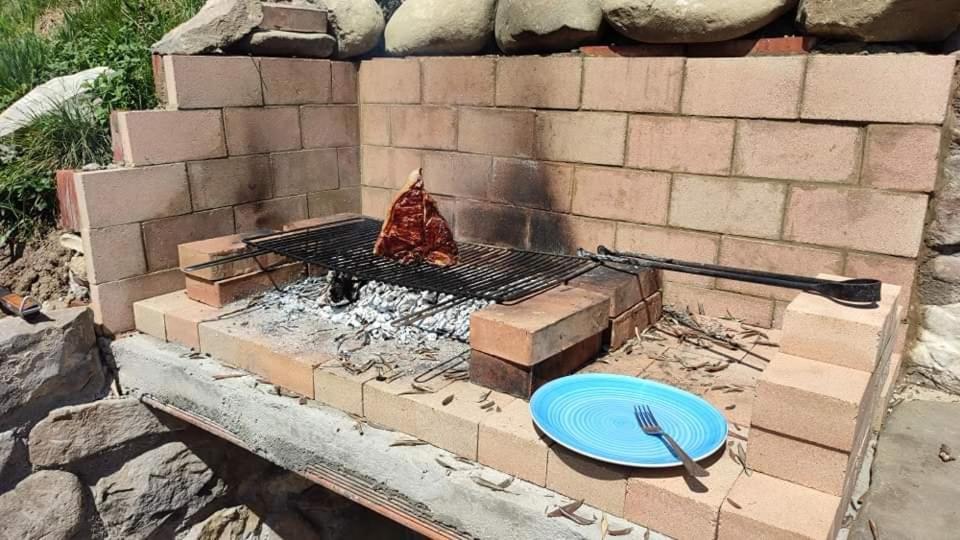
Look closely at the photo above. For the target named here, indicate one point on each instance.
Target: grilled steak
(414, 229)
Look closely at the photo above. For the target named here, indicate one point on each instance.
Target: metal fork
(650, 426)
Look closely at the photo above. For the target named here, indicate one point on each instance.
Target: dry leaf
(222, 376)
(484, 396)
(731, 407)
(874, 530)
(446, 401)
(569, 507)
(604, 527)
(408, 442)
(501, 486)
(487, 405)
(734, 504)
(445, 465)
(620, 532)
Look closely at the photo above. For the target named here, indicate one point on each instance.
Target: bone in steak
(414, 229)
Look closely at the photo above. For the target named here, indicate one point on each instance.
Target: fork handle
(690, 465)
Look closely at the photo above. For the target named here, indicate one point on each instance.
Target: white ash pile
(377, 308)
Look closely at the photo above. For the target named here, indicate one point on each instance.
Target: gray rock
(46, 365)
(546, 25)
(226, 524)
(357, 25)
(686, 21)
(47, 505)
(70, 434)
(282, 43)
(155, 491)
(880, 20)
(440, 27)
(936, 353)
(218, 24)
(13, 461)
(944, 228)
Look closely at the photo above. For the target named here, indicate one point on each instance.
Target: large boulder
(357, 25)
(47, 505)
(219, 23)
(13, 461)
(47, 364)
(936, 354)
(546, 25)
(70, 434)
(440, 27)
(152, 495)
(691, 21)
(880, 20)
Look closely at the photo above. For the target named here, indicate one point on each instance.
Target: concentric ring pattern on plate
(592, 414)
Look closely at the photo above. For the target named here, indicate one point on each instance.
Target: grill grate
(491, 273)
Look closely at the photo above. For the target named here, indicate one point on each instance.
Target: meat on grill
(414, 229)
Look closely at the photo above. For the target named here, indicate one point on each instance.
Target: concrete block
(458, 80)
(510, 442)
(760, 506)
(892, 270)
(295, 81)
(383, 405)
(597, 484)
(621, 194)
(113, 253)
(375, 124)
(459, 175)
(339, 388)
(112, 302)
(161, 237)
(348, 166)
(344, 76)
(577, 232)
(713, 303)
(539, 327)
(749, 208)
(270, 214)
(215, 183)
(532, 184)
(493, 224)
(774, 257)
(120, 196)
(424, 127)
(335, 201)
(499, 132)
(795, 151)
(304, 171)
(260, 130)
(374, 202)
(639, 84)
(584, 137)
(753, 87)
(902, 157)
(388, 167)
(546, 82)
(330, 126)
(665, 142)
(157, 137)
(672, 243)
(148, 314)
(210, 82)
(390, 80)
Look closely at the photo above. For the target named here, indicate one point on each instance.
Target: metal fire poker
(859, 291)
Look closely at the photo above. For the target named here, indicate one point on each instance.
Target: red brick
(462, 175)
(818, 467)
(908, 88)
(638, 84)
(562, 233)
(756, 87)
(293, 18)
(344, 76)
(112, 302)
(375, 124)
(259, 130)
(621, 194)
(760, 506)
(113, 253)
(902, 157)
(752, 310)
(295, 81)
(508, 133)
(159, 82)
(622, 287)
(635, 50)
(156, 137)
(117, 196)
(68, 208)
(549, 82)
(203, 251)
(510, 442)
(533, 184)
(777, 46)
(220, 293)
(811, 401)
(161, 237)
(424, 127)
(336, 201)
(625, 326)
(663, 242)
(492, 224)
(774, 257)
(458, 81)
(209, 82)
(178, 318)
(895, 270)
(388, 167)
(270, 214)
(540, 327)
(597, 484)
(304, 171)
(330, 126)
(586, 137)
(679, 144)
(862, 219)
(148, 314)
(789, 150)
(348, 166)
(225, 182)
(390, 80)
(751, 208)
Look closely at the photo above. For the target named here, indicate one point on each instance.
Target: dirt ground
(42, 270)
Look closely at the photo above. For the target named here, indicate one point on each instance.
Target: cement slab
(913, 493)
(300, 436)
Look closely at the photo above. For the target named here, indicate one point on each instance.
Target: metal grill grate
(490, 273)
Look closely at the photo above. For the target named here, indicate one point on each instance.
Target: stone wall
(798, 164)
(245, 144)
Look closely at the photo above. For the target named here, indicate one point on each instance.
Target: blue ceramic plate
(592, 414)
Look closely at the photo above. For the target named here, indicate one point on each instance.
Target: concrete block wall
(243, 144)
(798, 164)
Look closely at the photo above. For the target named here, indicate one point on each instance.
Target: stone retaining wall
(799, 164)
